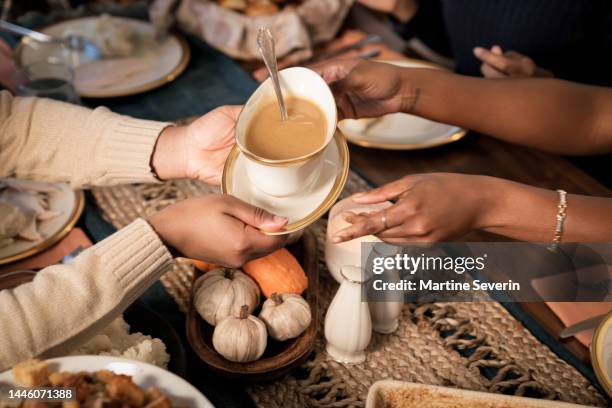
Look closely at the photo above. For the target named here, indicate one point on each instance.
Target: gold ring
(383, 218)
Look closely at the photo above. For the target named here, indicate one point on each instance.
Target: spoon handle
(265, 43)
(15, 29)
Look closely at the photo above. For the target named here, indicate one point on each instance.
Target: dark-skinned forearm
(528, 213)
(548, 114)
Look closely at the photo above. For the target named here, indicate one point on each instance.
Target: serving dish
(399, 394)
(144, 375)
(67, 201)
(159, 63)
(400, 131)
(279, 357)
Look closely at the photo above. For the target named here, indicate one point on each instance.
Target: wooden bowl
(279, 357)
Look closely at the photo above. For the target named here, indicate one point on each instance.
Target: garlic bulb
(240, 339)
(286, 316)
(221, 293)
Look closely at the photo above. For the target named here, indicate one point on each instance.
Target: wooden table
(476, 154)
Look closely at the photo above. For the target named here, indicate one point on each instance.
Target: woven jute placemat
(472, 345)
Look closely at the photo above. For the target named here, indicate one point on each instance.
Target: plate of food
(400, 131)
(259, 322)
(35, 215)
(107, 381)
(134, 59)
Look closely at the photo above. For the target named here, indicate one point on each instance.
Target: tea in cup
(284, 157)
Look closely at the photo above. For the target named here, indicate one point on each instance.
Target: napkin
(573, 312)
(52, 255)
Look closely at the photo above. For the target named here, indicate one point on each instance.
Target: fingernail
(280, 220)
(478, 51)
(336, 240)
(360, 194)
(275, 223)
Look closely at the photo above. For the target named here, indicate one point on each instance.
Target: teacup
(281, 178)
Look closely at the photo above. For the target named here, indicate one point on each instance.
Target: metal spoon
(265, 44)
(72, 42)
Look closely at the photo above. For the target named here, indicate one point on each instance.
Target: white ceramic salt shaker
(387, 308)
(348, 326)
(385, 316)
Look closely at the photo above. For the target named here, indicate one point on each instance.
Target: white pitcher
(348, 326)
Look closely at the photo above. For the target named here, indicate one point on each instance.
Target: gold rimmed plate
(70, 204)
(301, 209)
(145, 375)
(601, 353)
(152, 64)
(400, 131)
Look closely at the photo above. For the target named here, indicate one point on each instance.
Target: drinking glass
(47, 79)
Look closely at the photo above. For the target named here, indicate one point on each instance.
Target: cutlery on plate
(370, 39)
(581, 326)
(71, 41)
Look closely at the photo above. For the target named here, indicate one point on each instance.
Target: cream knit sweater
(64, 305)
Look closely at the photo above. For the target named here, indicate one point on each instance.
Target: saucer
(301, 209)
(400, 131)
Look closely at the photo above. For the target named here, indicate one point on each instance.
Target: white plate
(301, 209)
(67, 201)
(601, 353)
(145, 375)
(400, 131)
(158, 63)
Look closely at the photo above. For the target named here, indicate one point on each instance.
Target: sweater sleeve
(67, 304)
(47, 140)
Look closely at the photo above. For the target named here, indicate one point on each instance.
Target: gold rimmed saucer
(601, 353)
(301, 209)
(401, 131)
